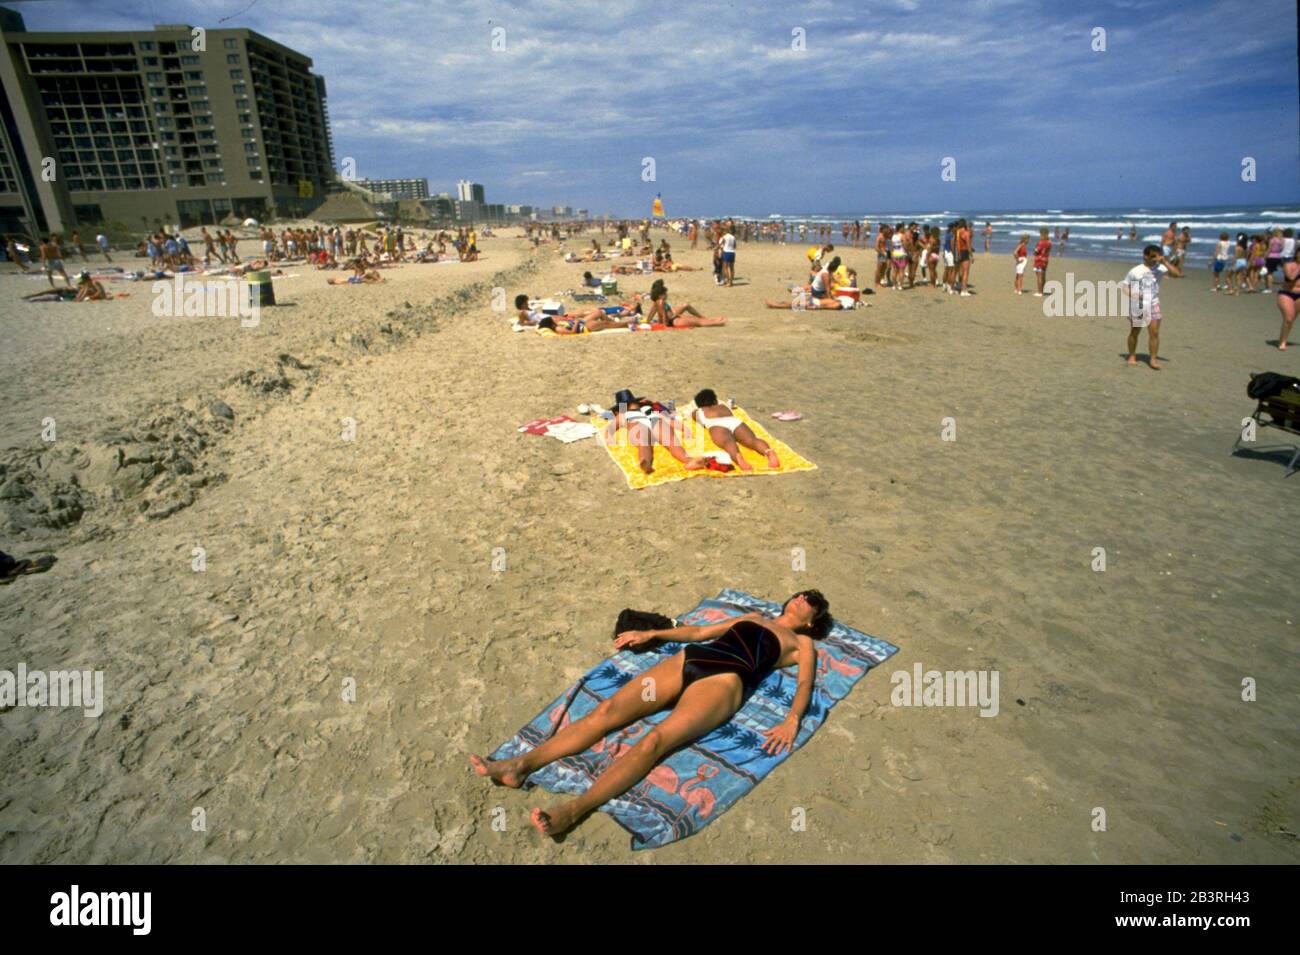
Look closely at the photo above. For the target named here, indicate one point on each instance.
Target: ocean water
(1093, 232)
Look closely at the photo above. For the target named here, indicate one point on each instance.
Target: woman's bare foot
(1155, 365)
(694, 464)
(739, 458)
(773, 461)
(504, 772)
(1132, 359)
(552, 822)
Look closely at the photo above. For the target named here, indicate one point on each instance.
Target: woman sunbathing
(727, 431)
(687, 316)
(816, 303)
(359, 275)
(647, 424)
(663, 262)
(88, 290)
(595, 320)
(705, 685)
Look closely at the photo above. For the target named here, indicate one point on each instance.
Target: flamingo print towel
(697, 784)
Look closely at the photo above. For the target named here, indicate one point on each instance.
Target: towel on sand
(667, 468)
(700, 782)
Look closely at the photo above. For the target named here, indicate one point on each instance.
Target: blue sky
(738, 121)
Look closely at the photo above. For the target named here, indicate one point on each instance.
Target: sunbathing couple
(360, 275)
(597, 319)
(822, 289)
(648, 423)
(705, 685)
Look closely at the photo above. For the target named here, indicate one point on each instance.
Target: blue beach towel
(700, 782)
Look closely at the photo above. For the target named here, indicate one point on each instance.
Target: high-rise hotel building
(172, 125)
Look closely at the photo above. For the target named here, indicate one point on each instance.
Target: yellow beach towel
(697, 442)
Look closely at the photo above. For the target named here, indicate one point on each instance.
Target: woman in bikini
(704, 685)
(688, 316)
(728, 431)
(1288, 294)
(646, 425)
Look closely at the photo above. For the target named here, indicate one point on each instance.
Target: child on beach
(1042, 253)
(1142, 286)
(1221, 253)
(1022, 257)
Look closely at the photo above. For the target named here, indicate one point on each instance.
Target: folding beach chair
(1283, 412)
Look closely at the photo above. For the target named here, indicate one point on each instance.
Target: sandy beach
(370, 558)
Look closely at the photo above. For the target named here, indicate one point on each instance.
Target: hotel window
(146, 44)
(189, 60)
(231, 43)
(239, 89)
(241, 104)
(232, 57)
(250, 147)
(153, 77)
(236, 74)
(197, 90)
(195, 75)
(246, 118)
(151, 61)
(212, 163)
(158, 91)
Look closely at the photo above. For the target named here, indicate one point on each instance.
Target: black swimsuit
(748, 649)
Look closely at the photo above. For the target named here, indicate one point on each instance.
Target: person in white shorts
(1142, 286)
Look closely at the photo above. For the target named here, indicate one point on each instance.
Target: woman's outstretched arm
(780, 737)
(633, 638)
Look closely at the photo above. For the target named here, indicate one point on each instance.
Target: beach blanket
(700, 782)
(667, 468)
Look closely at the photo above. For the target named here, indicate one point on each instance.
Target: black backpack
(641, 620)
(1269, 383)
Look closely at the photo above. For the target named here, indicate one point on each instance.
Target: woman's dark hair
(822, 621)
(521, 300)
(587, 276)
(706, 399)
(835, 264)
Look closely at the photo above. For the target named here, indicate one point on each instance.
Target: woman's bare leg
(745, 435)
(686, 321)
(1286, 305)
(625, 707)
(703, 706)
(723, 439)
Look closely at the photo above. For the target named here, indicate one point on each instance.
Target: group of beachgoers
(630, 315)
(1244, 263)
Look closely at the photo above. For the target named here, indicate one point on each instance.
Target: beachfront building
(174, 125)
(397, 189)
(467, 191)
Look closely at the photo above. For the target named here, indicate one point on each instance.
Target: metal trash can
(260, 290)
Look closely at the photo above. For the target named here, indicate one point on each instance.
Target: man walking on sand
(52, 261)
(1142, 286)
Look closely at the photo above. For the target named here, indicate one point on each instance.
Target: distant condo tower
(162, 126)
(467, 191)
